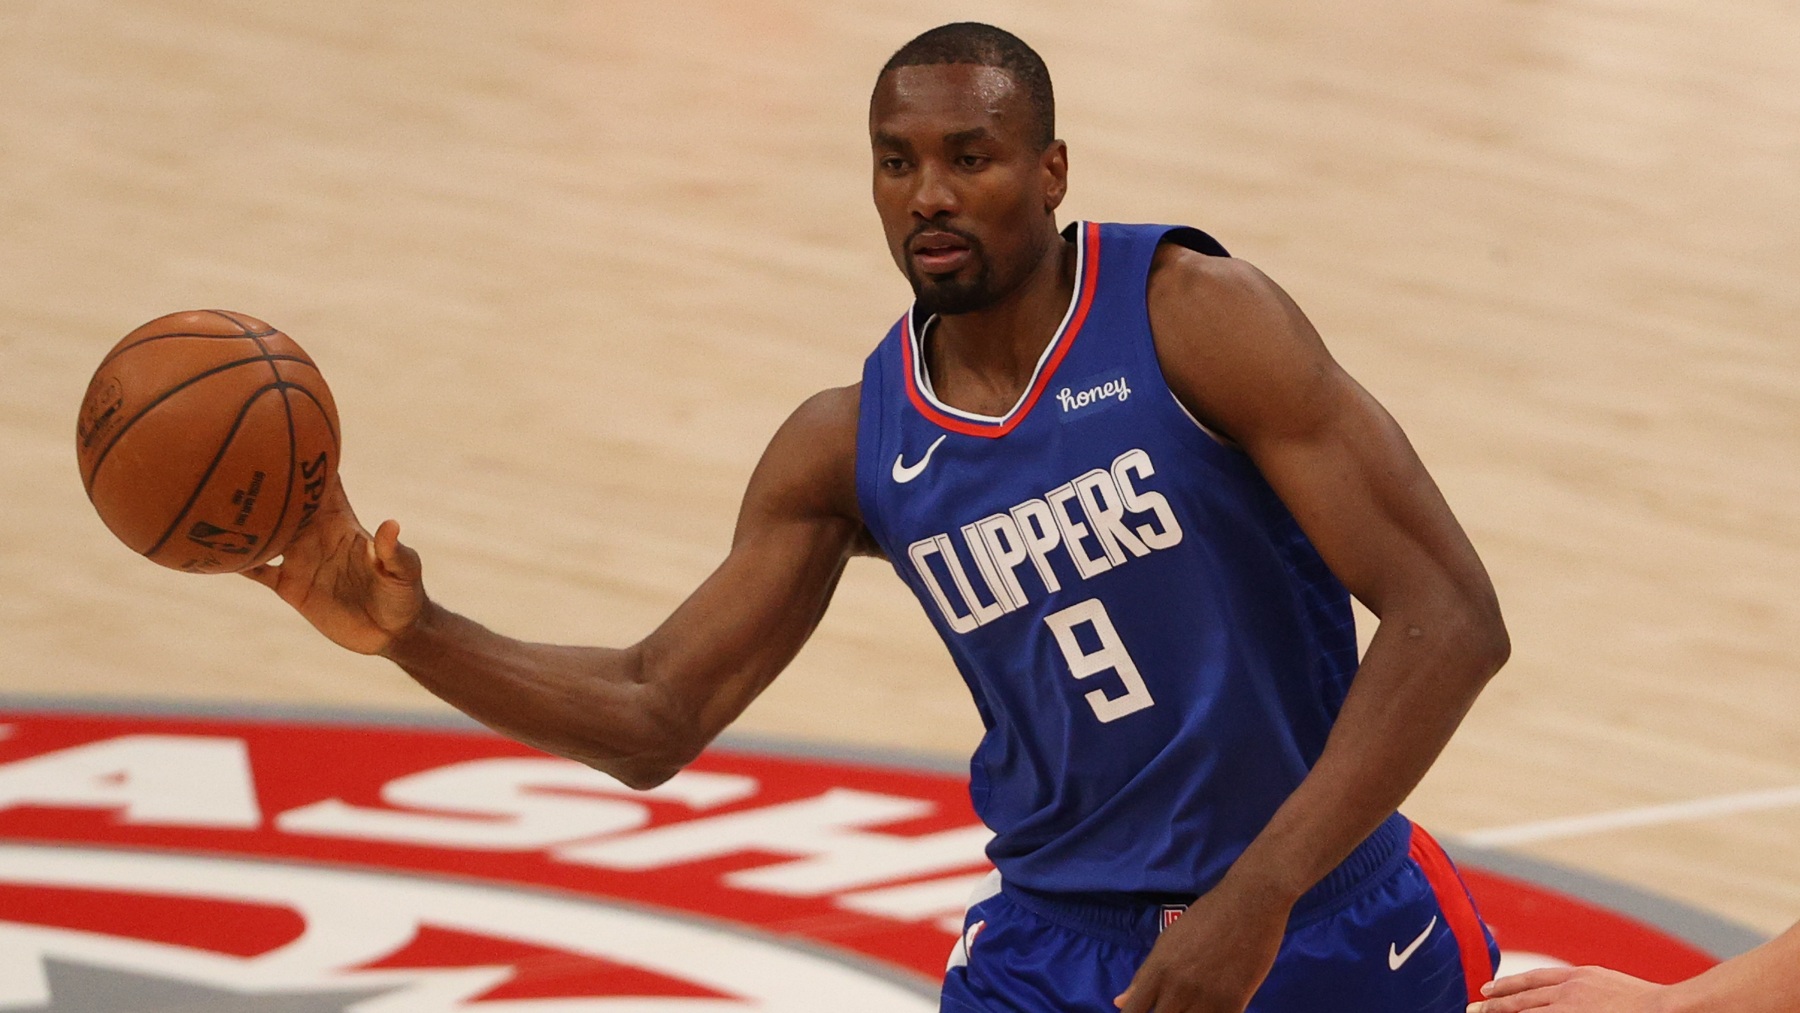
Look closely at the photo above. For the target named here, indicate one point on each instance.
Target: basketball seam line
(87, 481)
(336, 441)
(287, 412)
(206, 476)
(163, 337)
(280, 385)
(226, 316)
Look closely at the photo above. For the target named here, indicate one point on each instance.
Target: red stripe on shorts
(1459, 910)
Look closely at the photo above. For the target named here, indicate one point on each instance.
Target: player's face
(966, 196)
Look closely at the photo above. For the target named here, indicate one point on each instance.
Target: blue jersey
(1156, 650)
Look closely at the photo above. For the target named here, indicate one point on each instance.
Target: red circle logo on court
(315, 867)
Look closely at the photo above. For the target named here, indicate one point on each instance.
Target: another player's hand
(1569, 990)
(360, 590)
(1213, 959)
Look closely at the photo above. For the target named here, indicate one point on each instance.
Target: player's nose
(934, 196)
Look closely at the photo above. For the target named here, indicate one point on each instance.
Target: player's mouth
(939, 252)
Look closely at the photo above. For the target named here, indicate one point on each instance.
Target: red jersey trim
(1090, 275)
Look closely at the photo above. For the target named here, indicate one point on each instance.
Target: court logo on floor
(302, 868)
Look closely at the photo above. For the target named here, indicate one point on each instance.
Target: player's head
(968, 171)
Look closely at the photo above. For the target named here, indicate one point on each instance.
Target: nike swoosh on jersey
(1398, 958)
(904, 473)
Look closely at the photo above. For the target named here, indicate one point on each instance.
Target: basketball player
(1130, 487)
(1765, 980)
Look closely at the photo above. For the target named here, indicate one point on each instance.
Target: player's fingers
(397, 560)
(266, 574)
(1540, 977)
(1517, 1003)
(1140, 997)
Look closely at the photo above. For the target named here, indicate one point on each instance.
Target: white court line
(1644, 816)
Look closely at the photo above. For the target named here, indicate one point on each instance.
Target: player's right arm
(642, 712)
(1765, 980)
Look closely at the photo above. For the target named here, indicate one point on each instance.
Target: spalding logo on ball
(207, 440)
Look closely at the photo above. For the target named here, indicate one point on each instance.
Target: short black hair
(986, 46)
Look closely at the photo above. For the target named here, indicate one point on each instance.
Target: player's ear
(1054, 163)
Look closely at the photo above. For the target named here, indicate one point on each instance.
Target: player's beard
(948, 295)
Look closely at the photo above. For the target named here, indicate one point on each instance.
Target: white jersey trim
(922, 376)
(1217, 436)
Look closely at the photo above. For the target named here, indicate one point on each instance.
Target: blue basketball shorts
(1392, 930)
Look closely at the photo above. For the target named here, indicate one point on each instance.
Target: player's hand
(1569, 990)
(360, 590)
(1213, 959)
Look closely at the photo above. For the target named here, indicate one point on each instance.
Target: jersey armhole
(1194, 239)
(1199, 242)
(868, 444)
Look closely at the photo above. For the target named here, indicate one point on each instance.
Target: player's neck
(982, 361)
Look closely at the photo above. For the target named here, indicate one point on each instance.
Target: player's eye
(893, 163)
(972, 161)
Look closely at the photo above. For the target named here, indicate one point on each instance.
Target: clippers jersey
(1156, 650)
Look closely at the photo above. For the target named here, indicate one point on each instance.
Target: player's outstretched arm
(639, 713)
(1244, 359)
(1765, 980)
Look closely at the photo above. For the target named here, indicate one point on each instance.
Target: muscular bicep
(1358, 489)
(796, 529)
(1246, 361)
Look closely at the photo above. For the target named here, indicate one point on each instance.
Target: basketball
(207, 440)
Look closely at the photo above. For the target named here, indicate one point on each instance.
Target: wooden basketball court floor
(568, 264)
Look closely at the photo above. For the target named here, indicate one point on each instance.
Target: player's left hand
(1568, 990)
(1213, 958)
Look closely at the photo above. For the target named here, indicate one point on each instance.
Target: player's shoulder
(1208, 291)
(829, 417)
(1236, 351)
(810, 464)
(823, 428)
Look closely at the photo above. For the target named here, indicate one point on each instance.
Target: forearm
(591, 704)
(1765, 980)
(643, 712)
(1418, 679)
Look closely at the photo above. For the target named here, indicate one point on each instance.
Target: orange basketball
(207, 440)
